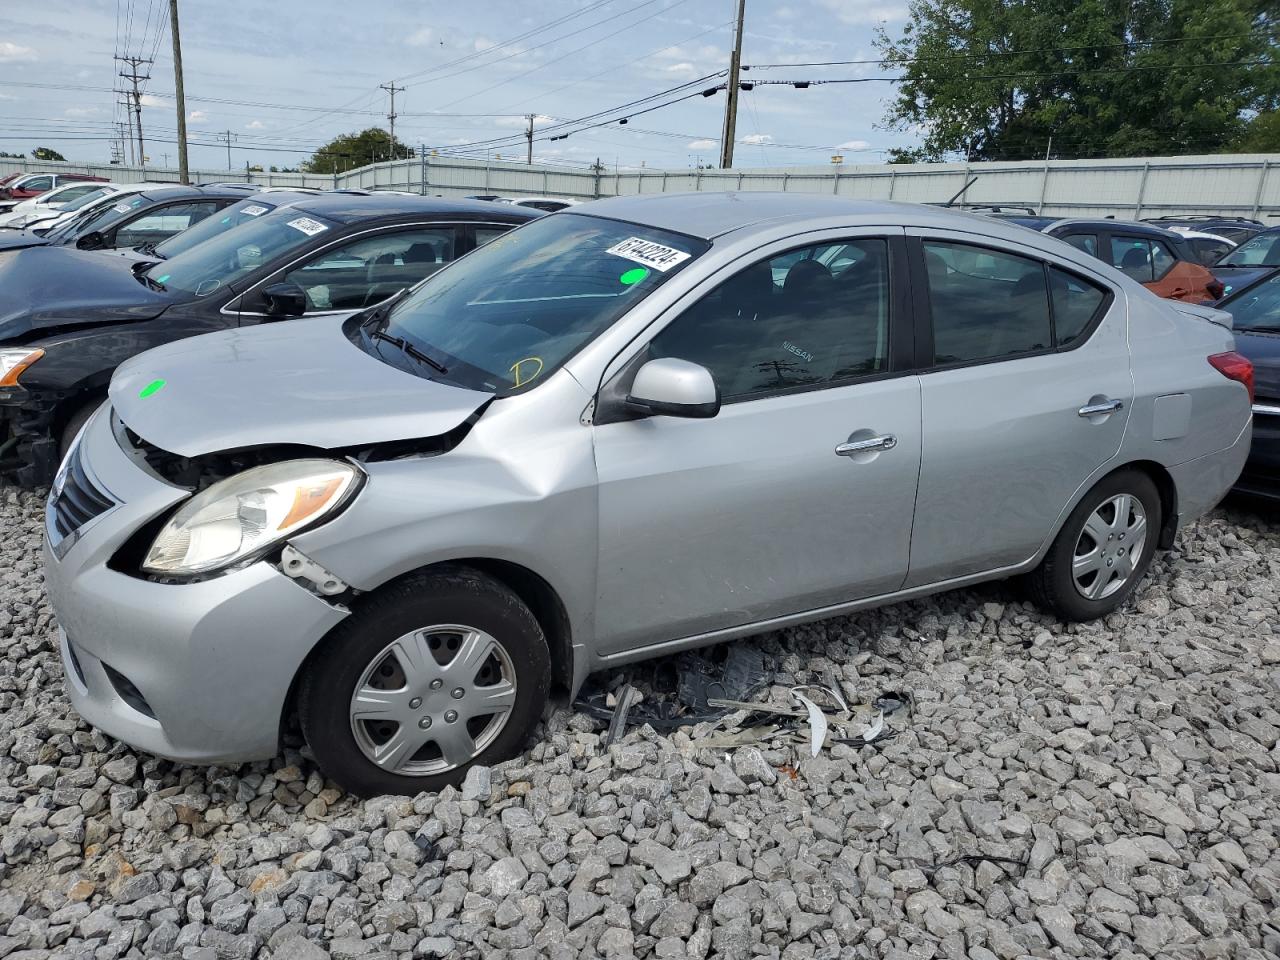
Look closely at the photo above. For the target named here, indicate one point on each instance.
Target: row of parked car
(399, 466)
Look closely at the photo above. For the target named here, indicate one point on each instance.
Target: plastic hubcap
(1113, 536)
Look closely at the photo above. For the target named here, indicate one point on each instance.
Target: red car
(27, 185)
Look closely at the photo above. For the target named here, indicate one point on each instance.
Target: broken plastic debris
(817, 724)
(618, 724)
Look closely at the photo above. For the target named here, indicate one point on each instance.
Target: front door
(1025, 392)
(799, 494)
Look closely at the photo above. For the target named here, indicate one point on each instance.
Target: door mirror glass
(285, 300)
(675, 388)
(93, 240)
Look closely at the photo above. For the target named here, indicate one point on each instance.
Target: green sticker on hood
(155, 386)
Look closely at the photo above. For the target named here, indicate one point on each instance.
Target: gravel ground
(1131, 765)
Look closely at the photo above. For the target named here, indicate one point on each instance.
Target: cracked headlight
(249, 513)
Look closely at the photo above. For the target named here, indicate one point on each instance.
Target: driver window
(163, 223)
(359, 274)
(808, 317)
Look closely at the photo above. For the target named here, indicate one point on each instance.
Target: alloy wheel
(433, 700)
(1109, 547)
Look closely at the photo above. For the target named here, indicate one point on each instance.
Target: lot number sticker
(308, 226)
(648, 253)
(254, 211)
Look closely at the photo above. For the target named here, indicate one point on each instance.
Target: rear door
(1025, 392)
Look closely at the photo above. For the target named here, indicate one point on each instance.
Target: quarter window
(1162, 258)
(1086, 242)
(985, 304)
(357, 275)
(805, 318)
(1075, 303)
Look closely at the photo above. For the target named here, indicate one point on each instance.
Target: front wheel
(1102, 551)
(434, 673)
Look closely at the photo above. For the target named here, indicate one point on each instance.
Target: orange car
(1158, 259)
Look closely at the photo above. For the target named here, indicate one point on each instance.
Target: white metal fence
(1242, 185)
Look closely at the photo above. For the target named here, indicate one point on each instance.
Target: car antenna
(960, 194)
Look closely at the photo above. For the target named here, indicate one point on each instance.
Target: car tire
(1091, 568)
(403, 647)
(74, 423)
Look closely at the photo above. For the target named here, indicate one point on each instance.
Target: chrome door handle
(887, 442)
(1096, 409)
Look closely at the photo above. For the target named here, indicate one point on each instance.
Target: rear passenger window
(1075, 302)
(1132, 256)
(1162, 258)
(985, 304)
(808, 317)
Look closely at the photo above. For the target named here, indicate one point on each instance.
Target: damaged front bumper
(28, 446)
(197, 671)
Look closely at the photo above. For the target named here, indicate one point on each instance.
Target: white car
(45, 220)
(47, 204)
(549, 204)
(1209, 248)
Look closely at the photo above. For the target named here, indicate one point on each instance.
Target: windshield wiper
(1275, 329)
(148, 249)
(151, 282)
(408, 348)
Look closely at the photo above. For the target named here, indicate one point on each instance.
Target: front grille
(79, 500)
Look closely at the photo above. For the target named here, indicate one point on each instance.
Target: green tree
(1262, 135)
(353, 150)
(998, 79)
(45, 153)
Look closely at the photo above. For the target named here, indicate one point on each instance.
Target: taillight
(1217, 289)
(1235, 367)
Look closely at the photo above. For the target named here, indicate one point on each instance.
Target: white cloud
(703, 144)
(255, 125)
(421, 37)
(538, 121)
(483, 43)
(151, 100)
(868, 14)
(11, 52)
(853, 145)
(756, 139)
(683, 69)
(81, 111)
(197, 116)
(7, 96)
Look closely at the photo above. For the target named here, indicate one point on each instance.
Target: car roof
(1124, 226)
(348, 208)
(710, 215)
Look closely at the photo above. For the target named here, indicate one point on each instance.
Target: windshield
(1257, 308)
(100, 218)
(87, 199)
(228, 256)
(508, 315)
(210, 227)
(1261, 251)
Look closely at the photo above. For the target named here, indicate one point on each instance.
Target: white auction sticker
(253, 210)
(123, 207)
(308, 226)
(650, 254)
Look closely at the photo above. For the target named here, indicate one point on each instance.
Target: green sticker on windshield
(155, 386)
(634, 275)
(164, 279)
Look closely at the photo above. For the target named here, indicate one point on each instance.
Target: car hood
(1233, 278)
(20, 239)
(45, 289)
(1263, 349)
(292, 382)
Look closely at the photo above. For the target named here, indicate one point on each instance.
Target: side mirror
(285, 300)
(675, 388)
(93, 240)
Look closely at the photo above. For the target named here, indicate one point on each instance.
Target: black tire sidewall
(458, 597)
(1063, 594)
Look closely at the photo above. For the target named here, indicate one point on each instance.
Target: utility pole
(731, 104)
(227, 138)
(528, 135)
(392, 89)
(135, 78)
(180, 96)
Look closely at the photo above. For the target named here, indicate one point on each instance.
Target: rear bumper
(1201, 483)
(1261, 475)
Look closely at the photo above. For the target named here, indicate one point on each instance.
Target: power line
(135, 78)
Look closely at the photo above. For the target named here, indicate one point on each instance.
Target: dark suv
(1235, 229)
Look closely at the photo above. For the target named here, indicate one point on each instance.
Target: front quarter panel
(520, 487)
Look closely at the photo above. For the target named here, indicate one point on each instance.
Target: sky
(284, 77)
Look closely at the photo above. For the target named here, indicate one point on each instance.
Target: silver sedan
(645, 425)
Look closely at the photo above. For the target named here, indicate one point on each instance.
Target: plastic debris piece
(817, 724)
(618, 723)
